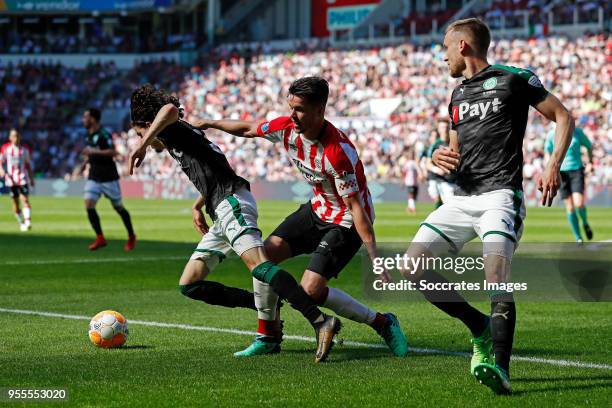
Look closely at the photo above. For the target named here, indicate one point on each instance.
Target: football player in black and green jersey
(488, 112)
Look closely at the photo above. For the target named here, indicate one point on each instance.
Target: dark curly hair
(147, 101)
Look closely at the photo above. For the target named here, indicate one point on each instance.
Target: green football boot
(494, 377)
(260, 347)
(483, 345)
(394, 336)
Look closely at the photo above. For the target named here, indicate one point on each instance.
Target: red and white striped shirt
(14, 160)
(411, 174)
(330, 165)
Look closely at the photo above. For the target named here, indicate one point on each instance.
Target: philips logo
(479, 110)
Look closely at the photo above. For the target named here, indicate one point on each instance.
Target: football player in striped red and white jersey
(335, 222)
(16, 168)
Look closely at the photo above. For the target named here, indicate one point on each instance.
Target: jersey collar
(465, 81)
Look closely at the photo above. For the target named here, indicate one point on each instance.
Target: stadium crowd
(413, 81)
(386, 99)
(40, 100)
(98, 41)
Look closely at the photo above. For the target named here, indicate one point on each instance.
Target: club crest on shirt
(489, 83)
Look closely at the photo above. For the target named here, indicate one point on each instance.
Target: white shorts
(111, 189)
(495, 217)
(235, 228)
(442, 189)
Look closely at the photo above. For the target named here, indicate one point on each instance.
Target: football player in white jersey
(16, 169)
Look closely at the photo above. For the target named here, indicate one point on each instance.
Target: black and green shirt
(489, 112)
(101, 168)
(203, 162)
(449, 178)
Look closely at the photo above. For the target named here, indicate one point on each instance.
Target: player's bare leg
(386, 325)
(194, 285)
(27, 211)
(316, 286)
(17, 212)
(411, 204)
(579, 205)
(452, 303)
(572, 218)
(495, 374)
(269, 324)
(94, 220)
(127, 222)
(285, 285)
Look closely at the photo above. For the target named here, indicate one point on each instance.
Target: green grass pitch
(49, 269)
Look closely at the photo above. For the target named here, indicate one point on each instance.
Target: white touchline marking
(562, 363)
(110, 260)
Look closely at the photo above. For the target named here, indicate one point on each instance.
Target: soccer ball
(108, 329)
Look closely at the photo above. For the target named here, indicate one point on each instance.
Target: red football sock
(266, 327)
(379, 321)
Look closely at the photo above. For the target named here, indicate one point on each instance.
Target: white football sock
(265, 300)
(411, 203)
(27, 212)
(344, 305)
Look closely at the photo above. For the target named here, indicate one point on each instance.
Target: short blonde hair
(476, 30)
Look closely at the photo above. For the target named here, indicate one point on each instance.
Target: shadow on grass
(340, 354)
(136, 347)
(30, 247)
(561, 383)
(563, 387)
(560, 379)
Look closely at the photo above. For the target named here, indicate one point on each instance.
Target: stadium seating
(253, 86)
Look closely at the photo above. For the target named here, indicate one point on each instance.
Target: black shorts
(572, 182)
(332, 246)
(414, 190)
(20, 190)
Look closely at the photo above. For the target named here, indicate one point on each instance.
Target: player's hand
(201, 124)
(199, 222)
(373, 254)
(32, 182)
(86, 151)
(588, 169)
(137, 157)
(549, 184)
(445, 159)
(385, 277)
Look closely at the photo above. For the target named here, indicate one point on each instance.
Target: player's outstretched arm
(241, 128)
(554, 110)
(166, 116)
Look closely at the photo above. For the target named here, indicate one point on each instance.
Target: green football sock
(573, 221)
(583, 215)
